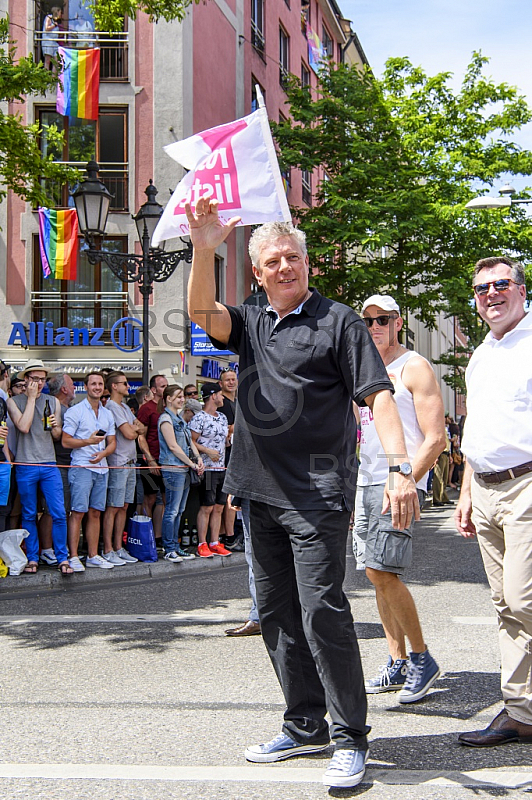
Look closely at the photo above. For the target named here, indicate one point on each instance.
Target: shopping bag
(11, 552)
(141, 539)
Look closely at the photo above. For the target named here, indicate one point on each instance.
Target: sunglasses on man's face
(382, 320)
(502, 285)
(191, 394)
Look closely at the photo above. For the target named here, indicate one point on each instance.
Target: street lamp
(92, 200)
(496, 202)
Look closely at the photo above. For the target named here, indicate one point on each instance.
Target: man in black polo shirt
(303, 359)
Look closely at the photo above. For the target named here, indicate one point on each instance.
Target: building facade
(157, 86)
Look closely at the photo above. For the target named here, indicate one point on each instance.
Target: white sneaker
(98, 561)
(114, 559)
(76, 564)
(125, 556)
(48, 556)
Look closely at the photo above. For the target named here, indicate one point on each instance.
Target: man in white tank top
(385, 552)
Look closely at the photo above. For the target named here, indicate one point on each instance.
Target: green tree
(109, 14)
(23, 167)
(401, 156)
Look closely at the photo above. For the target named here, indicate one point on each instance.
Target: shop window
(77, 30)
(104, 140)
(97, 298)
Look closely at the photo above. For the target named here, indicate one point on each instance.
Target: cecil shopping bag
(140, 539)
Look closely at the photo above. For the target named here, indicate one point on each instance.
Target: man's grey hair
(268, 233)
(518, 272)
(55, 382)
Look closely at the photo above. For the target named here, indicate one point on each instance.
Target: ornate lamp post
(92, 201)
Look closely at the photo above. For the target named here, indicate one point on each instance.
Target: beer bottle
(3, 418)
(194, 537)
(46, 417)
(185, 536)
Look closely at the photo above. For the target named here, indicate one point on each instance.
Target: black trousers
(306, 621)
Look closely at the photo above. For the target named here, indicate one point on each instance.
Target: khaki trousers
(502, 514)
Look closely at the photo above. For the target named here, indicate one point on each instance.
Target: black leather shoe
(249, 628)
(502, 730)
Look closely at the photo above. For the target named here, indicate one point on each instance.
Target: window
(306, 186)
(305, 16)
(104, 140)
(97, 298)
(254, 98)
(305, 75)
(257, 25)
(77, 30)
(327, 43)
(284, 56)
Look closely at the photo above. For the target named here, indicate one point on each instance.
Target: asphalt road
(129, 689)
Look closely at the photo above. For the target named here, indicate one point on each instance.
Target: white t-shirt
(498, 427)
(213, 433)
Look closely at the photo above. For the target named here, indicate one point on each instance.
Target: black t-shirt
(295, 431)
(228, 409)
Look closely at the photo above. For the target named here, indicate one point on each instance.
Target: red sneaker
(219, 550)
(204, 550)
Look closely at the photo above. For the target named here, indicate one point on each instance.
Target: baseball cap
(210, 388)
(384, 301)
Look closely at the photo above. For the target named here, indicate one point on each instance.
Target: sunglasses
(382, 320)
(502, 285)
(191, 394)
(226, 369)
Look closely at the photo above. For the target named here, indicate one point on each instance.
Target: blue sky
(440, 35)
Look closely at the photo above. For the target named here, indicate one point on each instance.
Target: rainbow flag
(58, 242)
(80, 79)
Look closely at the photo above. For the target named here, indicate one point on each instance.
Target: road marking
(475, 620)
(260, 774)
(55, 618)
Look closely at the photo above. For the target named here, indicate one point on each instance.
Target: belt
(507, 474)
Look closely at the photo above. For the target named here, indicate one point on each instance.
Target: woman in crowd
(176, 448)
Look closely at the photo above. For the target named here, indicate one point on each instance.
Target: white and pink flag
(235, 164)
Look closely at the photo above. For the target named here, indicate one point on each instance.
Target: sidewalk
(50, 577)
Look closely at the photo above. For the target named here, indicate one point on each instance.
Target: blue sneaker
(184, 554)
(280, 747)
(346, 768)
(391, 677)
(423, 672)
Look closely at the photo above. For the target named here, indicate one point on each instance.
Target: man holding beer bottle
(37, 419)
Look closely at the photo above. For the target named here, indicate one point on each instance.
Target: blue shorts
(88, 489)
(121, 487)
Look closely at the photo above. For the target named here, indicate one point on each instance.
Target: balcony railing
(113, 50)
(113, 174)
(257, 37)
(80, 309)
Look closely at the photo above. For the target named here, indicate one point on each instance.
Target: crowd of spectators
(84, 465)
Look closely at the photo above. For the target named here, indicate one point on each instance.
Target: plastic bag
(11, 551)
(141, 539)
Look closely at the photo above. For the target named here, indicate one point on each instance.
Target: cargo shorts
(376, 543)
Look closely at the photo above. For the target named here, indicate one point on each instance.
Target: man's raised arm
(207, 232)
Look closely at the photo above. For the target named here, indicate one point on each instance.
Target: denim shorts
(376, 543)
(121, 487)
(88, 489)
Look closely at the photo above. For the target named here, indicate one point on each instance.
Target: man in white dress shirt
(496, 498)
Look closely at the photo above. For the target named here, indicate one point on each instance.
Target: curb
(49, 578)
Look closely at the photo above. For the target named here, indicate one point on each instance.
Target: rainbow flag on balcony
(80, 82)
(58, 242)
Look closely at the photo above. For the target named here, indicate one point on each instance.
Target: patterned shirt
(213, 433)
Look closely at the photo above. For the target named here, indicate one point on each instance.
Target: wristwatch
(405, 469)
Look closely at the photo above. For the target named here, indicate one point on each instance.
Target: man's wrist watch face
(405, 469)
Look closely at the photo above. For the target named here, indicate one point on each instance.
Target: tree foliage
(109, 14)
(23, 168)
(401, 156)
